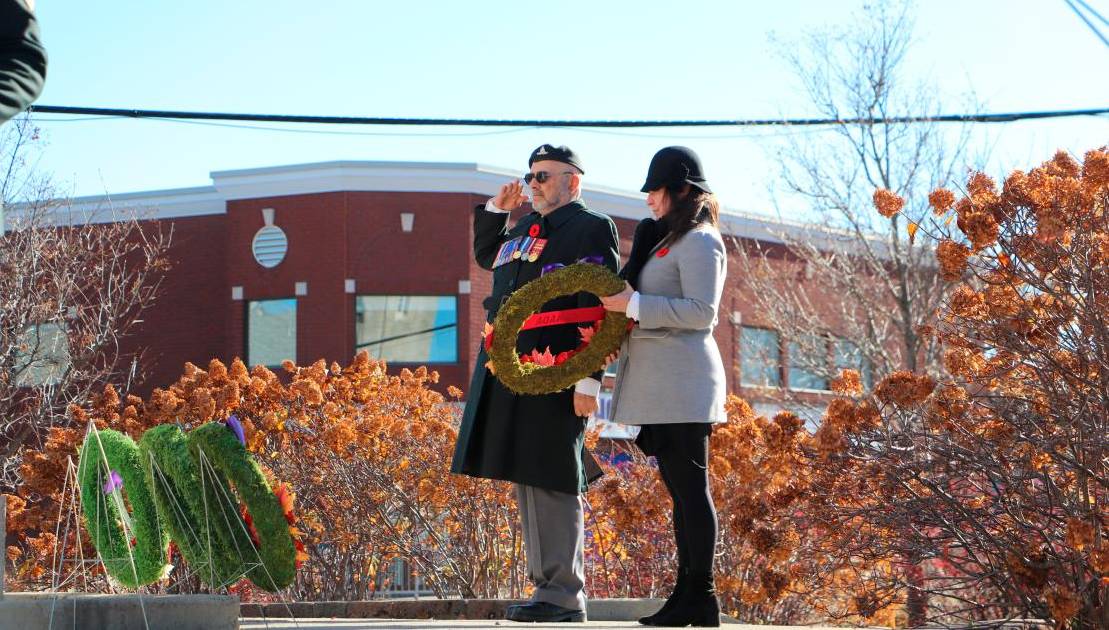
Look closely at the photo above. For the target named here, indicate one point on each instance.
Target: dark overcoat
(526, 439)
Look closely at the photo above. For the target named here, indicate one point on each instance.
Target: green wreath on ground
(132, 545)
(172, 473)
(556, 373)
(266, 516)
(204, 488)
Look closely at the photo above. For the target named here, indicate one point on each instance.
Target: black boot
(680, 584)
(697, 607)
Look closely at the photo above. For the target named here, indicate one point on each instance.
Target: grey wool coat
(670, 368)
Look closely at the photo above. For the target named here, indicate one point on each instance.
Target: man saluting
(538, 442)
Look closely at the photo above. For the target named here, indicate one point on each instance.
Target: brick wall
(186, 321)
(356, 235)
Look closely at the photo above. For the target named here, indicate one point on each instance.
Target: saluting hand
(511, 196)
(618, 302)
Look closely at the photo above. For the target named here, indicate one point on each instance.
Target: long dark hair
(689, 207)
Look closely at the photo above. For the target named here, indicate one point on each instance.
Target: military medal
(504, 255)
(522, 248)
(536, 249)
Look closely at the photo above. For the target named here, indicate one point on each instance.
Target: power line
(1093, 11)
(1090, 24)
(632, 133)
(311, 131)
(477, 122)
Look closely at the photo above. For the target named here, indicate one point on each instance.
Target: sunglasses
(543, 176)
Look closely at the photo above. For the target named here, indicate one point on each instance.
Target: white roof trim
(150, 205)
(374, 176)
(441, 177)
(359, 177)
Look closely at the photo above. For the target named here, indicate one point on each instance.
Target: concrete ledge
(383, 609)
(621, 609)
(32, 611)
(597, 609)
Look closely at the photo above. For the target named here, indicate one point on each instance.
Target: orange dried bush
(887, 203)
(365, 452)
(988, 486)
(761, 479)
(367, 455)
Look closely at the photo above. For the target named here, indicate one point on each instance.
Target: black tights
(682, 451)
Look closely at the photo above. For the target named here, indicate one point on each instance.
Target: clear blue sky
(601, 59)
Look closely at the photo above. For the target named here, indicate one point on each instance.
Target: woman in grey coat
(671, 380)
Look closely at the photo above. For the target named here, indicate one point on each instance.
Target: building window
(407, 328)
(808, 359)
(271, 331)
(848, 356)
(42, 355)
(812, 414)
(760, 357)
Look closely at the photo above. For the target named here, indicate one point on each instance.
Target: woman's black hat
(674, 166)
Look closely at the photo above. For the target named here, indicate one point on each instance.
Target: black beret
(557, 154)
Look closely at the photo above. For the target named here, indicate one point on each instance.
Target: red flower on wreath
(249, 526)
(285, 499)
(587, 334)
(547, 359)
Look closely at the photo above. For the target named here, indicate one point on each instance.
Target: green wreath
(172, 473)
(108, 458)
(191, 486)
(275, 545)
(530, 378)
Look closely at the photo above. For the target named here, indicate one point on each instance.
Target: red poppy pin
(662, 252)
(533, 231)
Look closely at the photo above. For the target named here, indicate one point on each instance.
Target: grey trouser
(554, 540)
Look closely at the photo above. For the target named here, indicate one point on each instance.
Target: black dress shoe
(545, 612)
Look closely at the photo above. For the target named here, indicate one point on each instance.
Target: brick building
(321, 260)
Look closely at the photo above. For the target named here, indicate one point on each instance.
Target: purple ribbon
(549, 268)
(115, 482)
(596, 260)
(236, 427)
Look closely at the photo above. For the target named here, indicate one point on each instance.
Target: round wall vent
(270, 244)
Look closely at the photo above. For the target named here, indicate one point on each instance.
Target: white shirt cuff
(588, 386)
(632, 311)
(492, 207)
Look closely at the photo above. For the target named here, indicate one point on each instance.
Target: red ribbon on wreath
(285, 498)
(554, 318)
(594, 314)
